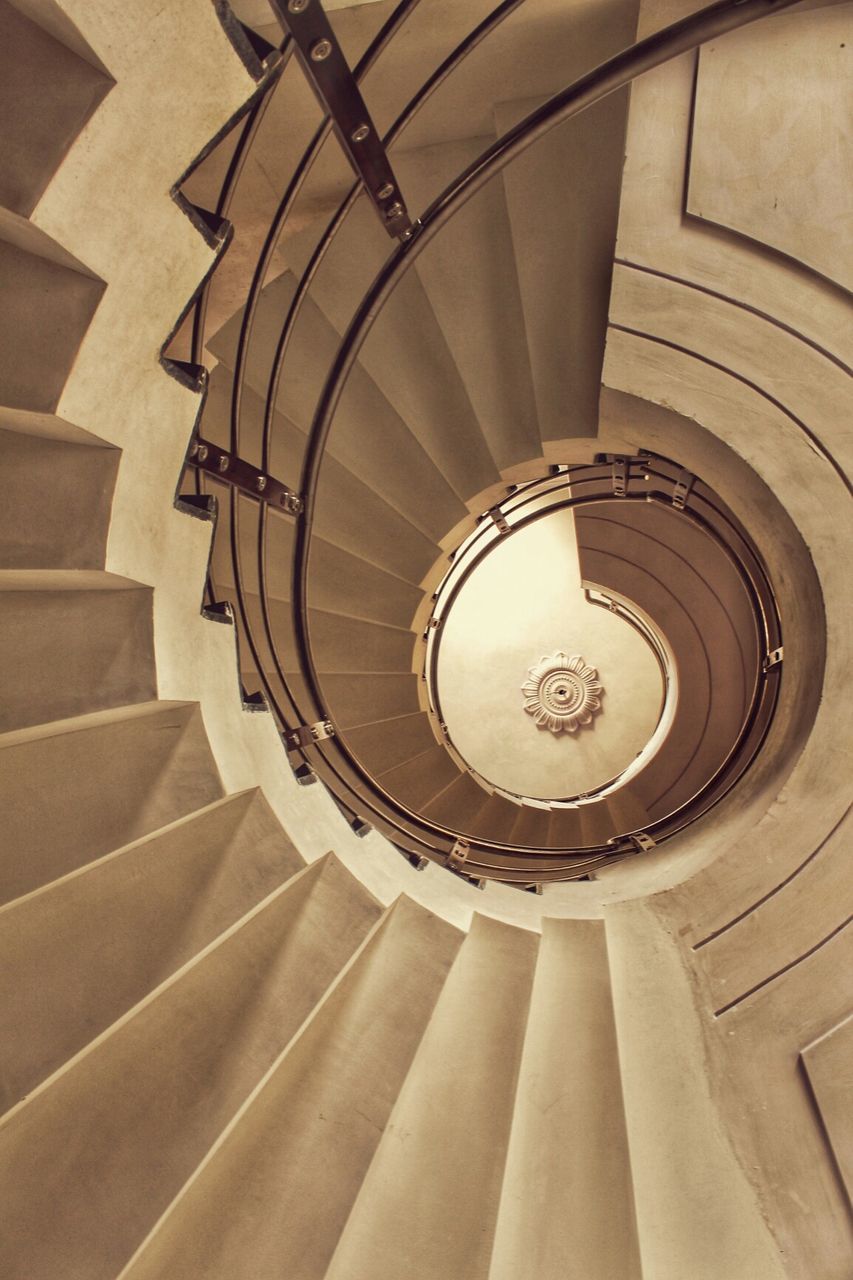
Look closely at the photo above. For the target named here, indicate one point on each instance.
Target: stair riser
(57, 503)
(138, 916)
(47, 95)
(131, 775)
(71, 652)
(91, 1163)
(308, 1137)
(38, 343)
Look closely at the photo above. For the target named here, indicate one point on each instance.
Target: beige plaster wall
(759, 159)
(750, 345)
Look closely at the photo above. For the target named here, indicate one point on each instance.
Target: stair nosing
(21, 581)
(185, 819)
(48, 729)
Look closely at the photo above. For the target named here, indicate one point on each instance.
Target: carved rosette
(562, 693)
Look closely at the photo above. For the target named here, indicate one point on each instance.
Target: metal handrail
(297, 181)
(540, 859)
(377, 46)
(386, 33)
(757, 587)
(333, 756)
(613, 74)
(489, 24)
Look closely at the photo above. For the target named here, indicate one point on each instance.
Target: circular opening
(543, 693)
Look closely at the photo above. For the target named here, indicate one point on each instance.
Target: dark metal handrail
(489, 24)
(386, 33)
(611, 75)
(520, 863)
(379, 43)
(653, 484)
(333, 758)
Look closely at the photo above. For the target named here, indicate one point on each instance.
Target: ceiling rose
(562, 693)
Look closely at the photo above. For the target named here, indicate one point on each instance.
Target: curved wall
(724, 984)
(746, 343)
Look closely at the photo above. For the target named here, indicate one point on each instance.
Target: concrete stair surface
(367, 1025)
(55, 488)
(235, 1041)
(438, 1134)
(470, 279)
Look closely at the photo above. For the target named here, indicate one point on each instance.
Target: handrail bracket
(306, 734)
(332, 80)
(218, 462)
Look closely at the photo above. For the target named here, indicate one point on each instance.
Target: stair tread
(169, 1078)
(641, 553)
(127, 913)
(73, 646)
(312, 1128)
(40, 126)
(338, 582)
(458, 804)
(136, 768)
(419, 780)
(563, 247)
(389, 743)
(368, 699)
(468, 272)
(406, 352)
(496, 819)
(568, 1127)
(57, 502)
(387, 456)
(450, 1125)
(531, 827)
(39, 345)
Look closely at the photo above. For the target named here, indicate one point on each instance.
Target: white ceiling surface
(524, 602)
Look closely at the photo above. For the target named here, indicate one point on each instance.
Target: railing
(568, 488)
(644, 479)
(297, 705)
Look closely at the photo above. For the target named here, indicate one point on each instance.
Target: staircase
(457, 397)
(226, 1050)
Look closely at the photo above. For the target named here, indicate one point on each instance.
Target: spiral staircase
(253, 1028)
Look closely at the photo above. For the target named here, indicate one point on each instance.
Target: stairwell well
(239, 1041)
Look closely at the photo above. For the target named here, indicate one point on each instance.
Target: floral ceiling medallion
(562, 693)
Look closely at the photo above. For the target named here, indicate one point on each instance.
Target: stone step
(290, 1165)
